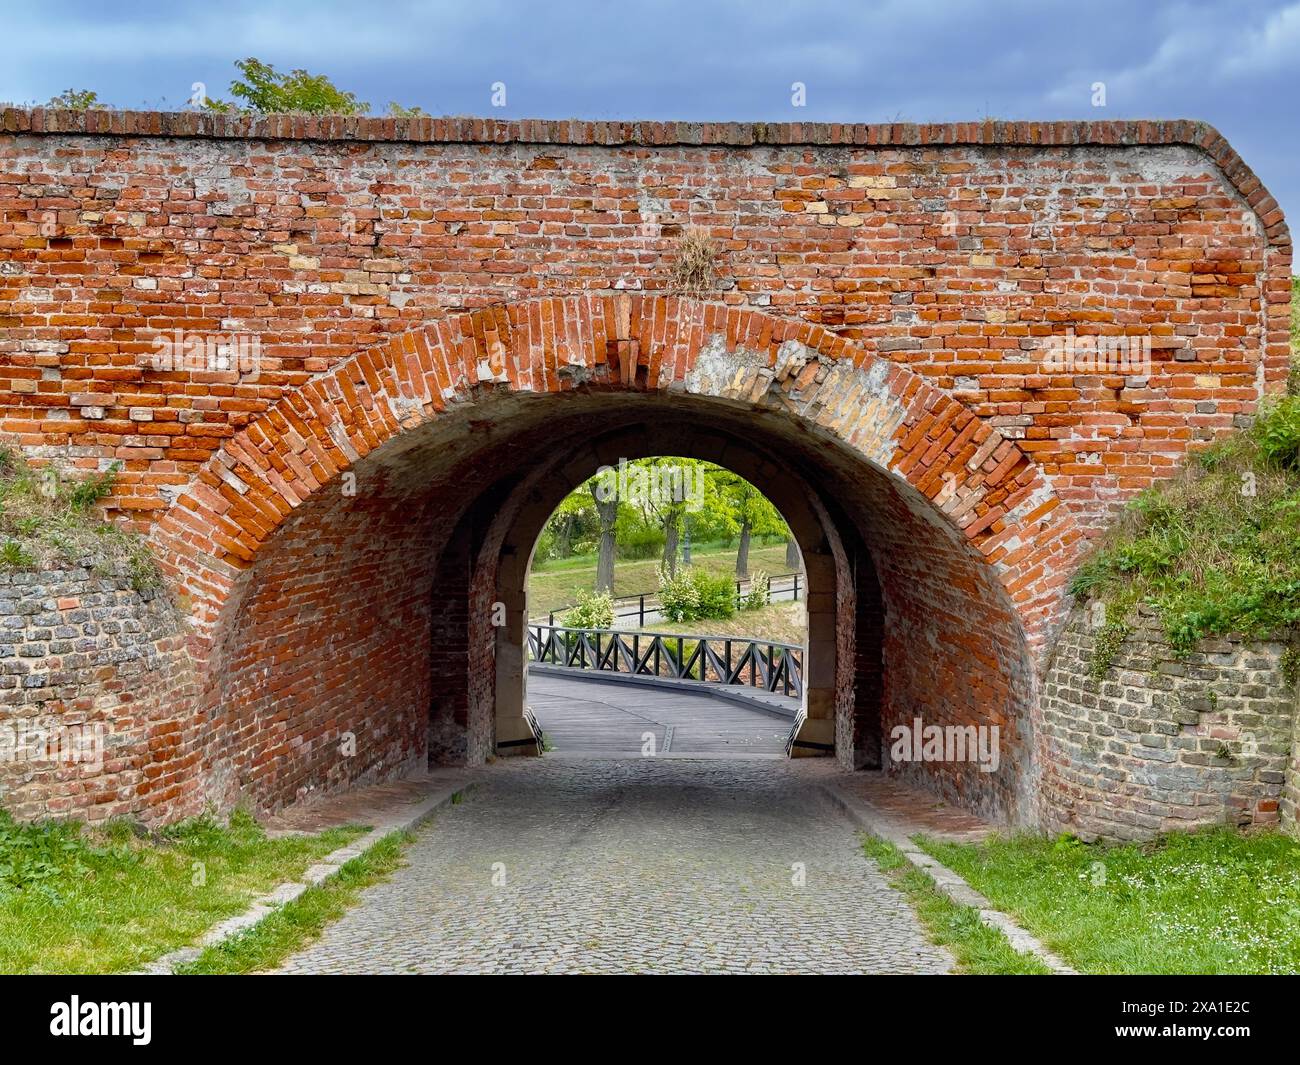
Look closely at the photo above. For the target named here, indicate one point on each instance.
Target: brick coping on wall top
(469, 130)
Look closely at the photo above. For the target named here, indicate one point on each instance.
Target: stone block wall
(1166, 742)
(96, 690)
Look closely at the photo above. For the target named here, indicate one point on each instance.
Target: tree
(792, 558)
(266, 91)
(75, 100)
(752, 513)
(607, 509)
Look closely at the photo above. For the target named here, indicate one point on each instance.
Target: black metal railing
(774, 667)
(635, 606)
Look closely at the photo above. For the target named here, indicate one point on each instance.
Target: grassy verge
(79, 900)
(294, 925)
(1207, 902)
(979, 949)
(553, 585)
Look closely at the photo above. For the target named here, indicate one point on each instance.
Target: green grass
(979, 949)
(80, 900)
(1216, 549)
(294, 925)
(1213, 550)
(783, 622)
(556, 584)
(49, 518)
(1217, 901)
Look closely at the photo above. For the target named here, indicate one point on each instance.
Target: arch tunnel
(343, 555)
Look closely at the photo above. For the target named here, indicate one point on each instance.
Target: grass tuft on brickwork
(979, 949)
(297, 923)
(47, 518)
(1216, 901)
(104, 900)
(695, 263)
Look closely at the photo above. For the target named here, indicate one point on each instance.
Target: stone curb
(951, 884)
(315, 875)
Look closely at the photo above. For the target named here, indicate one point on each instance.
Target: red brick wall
(916, 270)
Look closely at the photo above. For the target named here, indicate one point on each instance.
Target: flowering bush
(594, 610)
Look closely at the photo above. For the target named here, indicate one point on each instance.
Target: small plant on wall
(695, 265)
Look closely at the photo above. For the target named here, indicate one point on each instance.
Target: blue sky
(1235, 63)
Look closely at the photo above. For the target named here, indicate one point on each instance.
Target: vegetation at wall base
(113, 898)
(1214, 901)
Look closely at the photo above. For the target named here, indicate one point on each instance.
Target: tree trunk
(742, 552)
(564, 541)
(670, 545)
(791, 555)
(608, 513)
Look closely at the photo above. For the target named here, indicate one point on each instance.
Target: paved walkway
(567, 864)
(587, 716)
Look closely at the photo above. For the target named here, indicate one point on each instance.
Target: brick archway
(978, 480)
(947, 504)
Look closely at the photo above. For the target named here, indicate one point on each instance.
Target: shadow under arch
(311, 605)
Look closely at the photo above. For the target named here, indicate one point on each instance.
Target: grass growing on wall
(48, 518)
(1213, 550)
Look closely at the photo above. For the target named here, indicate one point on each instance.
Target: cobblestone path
(632, 865)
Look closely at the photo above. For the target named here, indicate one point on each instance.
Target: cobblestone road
(635, 865)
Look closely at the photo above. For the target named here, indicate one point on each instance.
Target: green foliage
(1277, 433)
(110, 898)
(291, 927)
(1106, 646)
(1215, 550)
(75, 100)
(45, 516)
(85, 493)
(1295, 313)
(696, 593)
(1216, 901)
(265, 90)
(979, 949)
(760, 591)
(1291, 665)
(14, 556)
(636, 539)
(594, 610)
(678, 596)
(717, 513)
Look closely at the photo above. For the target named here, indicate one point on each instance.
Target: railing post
(641, 624)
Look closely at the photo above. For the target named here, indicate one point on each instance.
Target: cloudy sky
(1234, 63)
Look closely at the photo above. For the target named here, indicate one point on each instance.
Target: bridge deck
(584, 716)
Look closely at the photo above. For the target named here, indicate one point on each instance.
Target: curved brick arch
(928, 441)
